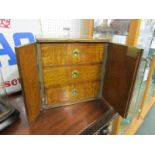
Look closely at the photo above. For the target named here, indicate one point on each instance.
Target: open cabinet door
(28, 72)
(120, 74)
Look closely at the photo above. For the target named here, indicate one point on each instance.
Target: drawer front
(71, 74)
(71, 53)
(74, 92)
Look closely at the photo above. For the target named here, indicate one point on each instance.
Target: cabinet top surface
(63, 40)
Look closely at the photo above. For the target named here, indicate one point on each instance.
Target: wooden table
(82, 118)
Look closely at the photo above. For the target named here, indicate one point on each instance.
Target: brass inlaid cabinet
(62, 72)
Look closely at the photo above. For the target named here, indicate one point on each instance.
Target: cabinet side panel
(120, 74)
(28, 72)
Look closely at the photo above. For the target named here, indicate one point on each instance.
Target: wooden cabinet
(63, 72)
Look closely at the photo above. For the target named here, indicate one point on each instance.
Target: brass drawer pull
(76, 53)
(74, 92)
(75, 74)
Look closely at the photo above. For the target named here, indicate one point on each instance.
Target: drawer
(72, 92)
(71, 74)
(71, 53)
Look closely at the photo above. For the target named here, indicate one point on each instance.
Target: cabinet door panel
(120, 73)
(27, 64)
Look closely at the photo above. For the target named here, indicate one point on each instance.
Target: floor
(148, 126)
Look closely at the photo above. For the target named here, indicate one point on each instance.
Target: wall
(14, 33)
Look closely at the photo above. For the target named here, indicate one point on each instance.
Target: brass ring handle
(76, 53)
(74, 92)
(75, 74)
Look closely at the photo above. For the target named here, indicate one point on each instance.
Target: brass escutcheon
(74, 92)
(76, 53)
(75, 74)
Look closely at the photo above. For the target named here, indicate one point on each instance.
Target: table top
(81, 118)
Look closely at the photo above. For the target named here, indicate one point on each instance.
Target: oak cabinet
(61, 72)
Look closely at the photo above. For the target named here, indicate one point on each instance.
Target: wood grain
(63, 75)
(26, 60)
(120, 74)
(84, 118)
(85, 90)
(62, 53)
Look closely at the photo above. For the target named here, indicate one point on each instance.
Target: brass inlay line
(40, 71)
(75, 64)
(70, 83)
(60, 104)
(132, 52)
